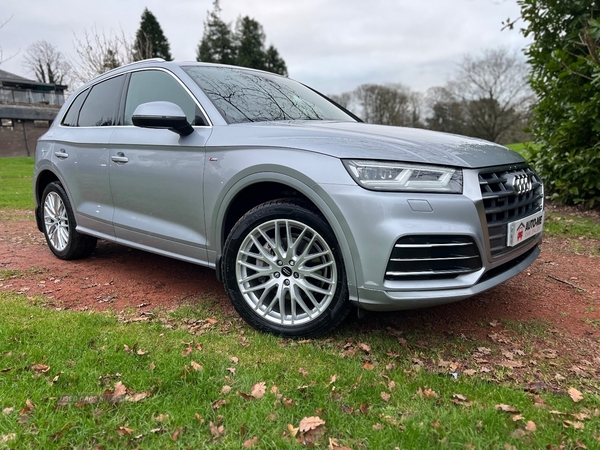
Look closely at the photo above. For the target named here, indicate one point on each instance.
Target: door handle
(119, 158)
(62, 154)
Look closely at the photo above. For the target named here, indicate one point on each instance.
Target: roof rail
(136, 62)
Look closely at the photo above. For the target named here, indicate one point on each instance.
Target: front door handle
(62, 154)
(119, 158)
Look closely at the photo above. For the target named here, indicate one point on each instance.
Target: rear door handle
(62, 154)
(119, 158)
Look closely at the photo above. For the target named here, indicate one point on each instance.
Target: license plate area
(522, 229)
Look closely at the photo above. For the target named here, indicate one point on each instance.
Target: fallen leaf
(250, 442)
(122, 431)
(152, 366)
(141, 352)
(258, 390)
(218, 403)
(364, 408)
(6, 438)
(530, 426)
(231, 370)
(368, 366)
(117, 394)
(332, 380)
(506, 408)
(575, 395)
(377, 426)
(7, 411)
(196, 366)
(226, 389)
(186, 351)
(138, 396)
(40, 368)
(161, 417)
(310, 423)
(176, 434)
(469, 372)
(575, 425)
(293, 430)
(244, 395)
(430, 393)
(198, 418)
(517, 417)
(364, 347)
(234, 359)
(385, 396)
(28, 409)
(303, 372)
(216, 431)
(55, 379)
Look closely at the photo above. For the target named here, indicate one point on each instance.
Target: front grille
(432, 257)
(503, 205)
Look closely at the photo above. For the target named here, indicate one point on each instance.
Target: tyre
(284, 272)
(59, 225)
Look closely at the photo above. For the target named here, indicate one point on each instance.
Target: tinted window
(70, 119)
(246, 96)
(102, 104)
(156, 85)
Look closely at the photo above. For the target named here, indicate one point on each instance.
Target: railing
(54, 98)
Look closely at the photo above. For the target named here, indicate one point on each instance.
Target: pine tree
(150, 41)
(217, 44)
(274, 63)
(250, 42)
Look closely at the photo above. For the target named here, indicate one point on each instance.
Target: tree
(98, 53)
(489, 98)
(275, 63)
(565, 74)
(250, 43)
(393, 104)
(47, 63)
(150, 41)
(217, 44)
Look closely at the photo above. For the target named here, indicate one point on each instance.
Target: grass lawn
(196, 378)
(16, 191)
(189, 380)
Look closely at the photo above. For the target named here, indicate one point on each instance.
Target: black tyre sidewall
(79, 245)
(339, 306)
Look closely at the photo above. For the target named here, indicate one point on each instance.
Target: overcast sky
(332, 45)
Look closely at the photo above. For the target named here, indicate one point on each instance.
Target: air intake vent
(432, 257)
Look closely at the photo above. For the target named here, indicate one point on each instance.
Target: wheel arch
(262, 187)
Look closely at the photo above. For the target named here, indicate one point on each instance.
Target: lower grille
(432, 257)
(509, 195)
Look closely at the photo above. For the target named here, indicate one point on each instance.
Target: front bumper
(373, 222)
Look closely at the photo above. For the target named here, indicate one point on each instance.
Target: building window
(41, 123)
(7, 122)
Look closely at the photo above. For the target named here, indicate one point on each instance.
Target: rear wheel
(284, 272)
(59, 225)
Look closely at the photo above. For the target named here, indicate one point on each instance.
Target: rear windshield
(246, 96)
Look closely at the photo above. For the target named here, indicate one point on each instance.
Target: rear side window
(155, 85)
(70, 119)
(101, 106)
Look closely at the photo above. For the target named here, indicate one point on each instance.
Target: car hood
(366, 141)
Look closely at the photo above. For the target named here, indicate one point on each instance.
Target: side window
(70, 119)
(102, 104)
(156, 85)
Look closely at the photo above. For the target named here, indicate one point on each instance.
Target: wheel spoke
(56, 221)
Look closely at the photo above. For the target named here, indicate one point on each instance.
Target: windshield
(247, 96)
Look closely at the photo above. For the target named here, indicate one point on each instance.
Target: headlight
(392, 176)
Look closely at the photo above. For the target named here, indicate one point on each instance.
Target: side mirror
(164, 115)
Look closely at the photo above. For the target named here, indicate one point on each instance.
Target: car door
(81, 155)
(156, 175)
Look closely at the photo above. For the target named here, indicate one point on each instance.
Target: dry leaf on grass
(258, 390)
(40, 368)
(303, 372)
(364, 347)
(251, 442)
(368, 366)
(216, 431)
(122, 431)
(196, 366)
(218, 403)
(176, 434)
(161, 417)
(186, 351)
(530, 426)
(506, 408)
(310, 423)
(575, 395)
(225, 389)
(385, 396)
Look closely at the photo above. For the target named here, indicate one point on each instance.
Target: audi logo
(521, 183)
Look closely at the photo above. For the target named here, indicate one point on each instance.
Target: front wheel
(59, 225)
(283, 270)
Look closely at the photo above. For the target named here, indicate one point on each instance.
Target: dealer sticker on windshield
(523, 229)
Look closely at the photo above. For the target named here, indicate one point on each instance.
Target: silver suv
(302, 209)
